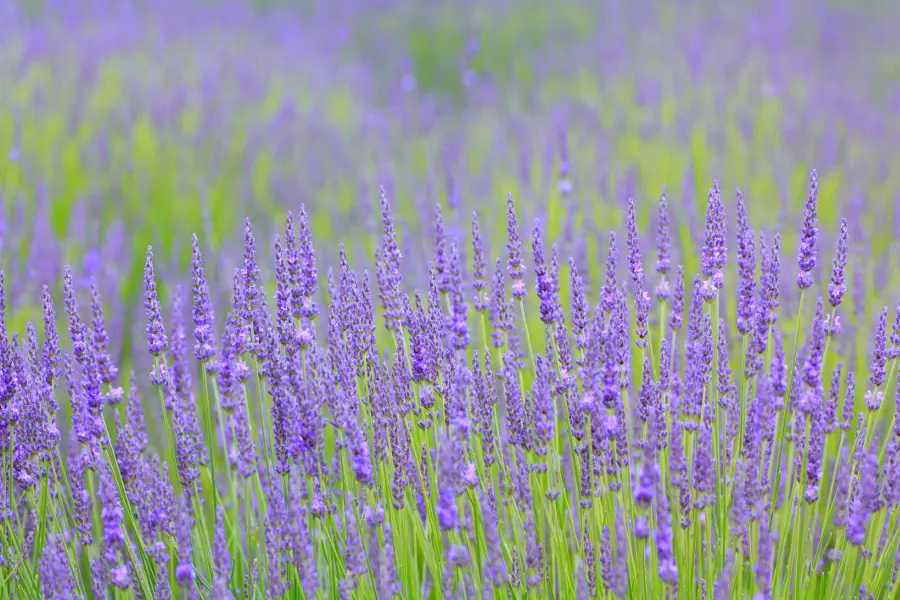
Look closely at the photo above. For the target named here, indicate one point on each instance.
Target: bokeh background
(124, 124)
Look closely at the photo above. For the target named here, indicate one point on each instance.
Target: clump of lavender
(436, 441)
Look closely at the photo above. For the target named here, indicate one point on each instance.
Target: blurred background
(125, 124)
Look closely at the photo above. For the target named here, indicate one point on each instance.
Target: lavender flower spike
(880, 350)
(663, 239)
(157, 341)
(514, 264)
(837, 288)
(202, 312)
(808, 235)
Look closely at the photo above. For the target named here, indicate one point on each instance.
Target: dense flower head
(880, 350)
(479, 267)
(157, 341)
(663, 239)
(635, 260)
(544, 278)
(51, 351)
(514, 265)
(439, 238)
(808, 235)
(100, 337)
(837, 288)
(202, 310)
(713, 255)
(387, 262)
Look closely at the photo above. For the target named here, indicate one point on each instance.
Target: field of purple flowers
(469, 300)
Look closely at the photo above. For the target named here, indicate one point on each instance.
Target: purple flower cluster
(475, 444)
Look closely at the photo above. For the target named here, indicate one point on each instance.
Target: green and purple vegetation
(378, 299)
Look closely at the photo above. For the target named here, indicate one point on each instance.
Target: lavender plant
(542, 440)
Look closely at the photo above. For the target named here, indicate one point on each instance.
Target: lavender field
(449, 299)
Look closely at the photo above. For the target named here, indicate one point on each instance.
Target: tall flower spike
(514, 265)
(837, 288)
(304, 290)
(608, 299)
(250, 274)
(879, 351)
(707, 253)
(894, 351)
(50, 352)
(807, 254)
(440, 251)
(202, 312)
(663, 239)
(99, 338)
(677, 300)
(544, 284)
(812, 370)
(157, 341)
(479, 267)
(635, 260)
(579, 304)
(460, 307)
(387, 263)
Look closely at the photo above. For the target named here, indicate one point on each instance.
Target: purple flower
(763, 570)
(894, 351)
(668, 568)
(849, 403)
(447, 484)
(100, 339)
(479, 267)
(812, 370)
(184, 571)
(864, 504)
(816, 444)
(50, 352)
(746, 309)
(834, 399)
(642, 313)
(514, 265)
(202, 312)
(713, 254)
(54, 574)
(250, 276)
(880, 350)
(807, 254)
(361, 458)
(837, 288)
(608, 298)
(131, 443)
(113, 517)
(635, 261)
(579, 303)
(157, 341)
(498, 315)
(459, 327)
(190, 450)
(544, 285)
(769, 285)
(663, 240)
(677, 300)
(387, 262)
(440, 252)
(302, 271)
